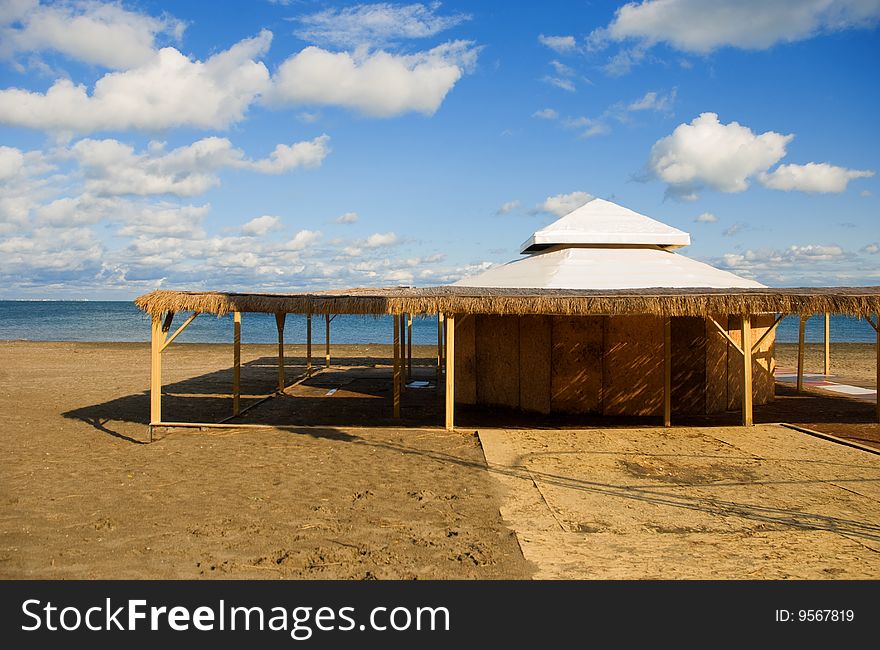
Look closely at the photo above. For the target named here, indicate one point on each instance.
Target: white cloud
(706, 217)
(871, 249)
(812, 177)
(560, 44)
(348, 217)
(11, 162)
(701, 27)
(260, 226)
(112, 167)
(589, 127)
(375, 24)
(380, 240)
(285, 157)
(98, 33)
(170, 90)
(303, 239)
(721, 156)
(654, 101)
(559, 82)
(546, 114)
(561, 69)
(508, 207)
(378, 84)
(735, 229)
(562, 204)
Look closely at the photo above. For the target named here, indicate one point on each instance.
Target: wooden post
(877, 329)
(827, 343)
(157, 338)
(279, 323)
(403, 348)
(450, 372)
(396, 346)
(308, 345)
(800, 367)
(327, 341)
(667, 372)
(747, 371)
(409, 346)
(439, 347)
(236, 363)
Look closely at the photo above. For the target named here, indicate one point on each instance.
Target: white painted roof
(607, 268)
(603, 222)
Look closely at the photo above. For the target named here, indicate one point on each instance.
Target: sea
(121, 321)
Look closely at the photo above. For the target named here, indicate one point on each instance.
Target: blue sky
(286, 146)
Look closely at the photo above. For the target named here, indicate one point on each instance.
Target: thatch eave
(852, 301)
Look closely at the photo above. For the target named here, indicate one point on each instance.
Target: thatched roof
(854, 301)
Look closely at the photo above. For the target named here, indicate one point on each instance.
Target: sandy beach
(83, 496)
(851, 363)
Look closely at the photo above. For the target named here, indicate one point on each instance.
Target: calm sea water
(122, 321)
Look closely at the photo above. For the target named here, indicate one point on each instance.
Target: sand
(694, 502)
(851, 363)
(83, 496)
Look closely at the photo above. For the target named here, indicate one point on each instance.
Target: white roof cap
(609, 269)
(599, 222)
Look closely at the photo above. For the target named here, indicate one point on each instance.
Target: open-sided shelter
(600, 315)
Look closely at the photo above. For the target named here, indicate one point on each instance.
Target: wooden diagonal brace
(178, 331)
(872, 323)
(727, 336)
(766, 334)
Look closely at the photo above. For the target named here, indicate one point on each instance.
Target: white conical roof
(604, 246)
(599, 222)
(609, 269)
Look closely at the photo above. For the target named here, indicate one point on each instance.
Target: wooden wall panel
(765, 360)
(688, 366)
(633, 369)
(716, 366)
(497, 358)
(535, 353)
(465, 360)
(576, 364)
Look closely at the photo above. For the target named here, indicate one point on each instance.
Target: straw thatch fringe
(853, 301)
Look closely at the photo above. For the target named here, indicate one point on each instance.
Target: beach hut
(601, 315)
(645, 364)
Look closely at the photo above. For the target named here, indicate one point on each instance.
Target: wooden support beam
(747, 371)
(877, 330)
(800, 367)
(872, 323)
(178, 330)
(764, 336)
(827, 343)
(409, 346)
(450, 372)
(397, 379)
(308, 344)
(327, 341)
(667, 372)
(726, 335)
(404, 378)
(166, 324)
(439, 348)
(236, 363)
(157, 339)
(279, 324)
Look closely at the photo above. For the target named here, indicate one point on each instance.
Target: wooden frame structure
(450, 303)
